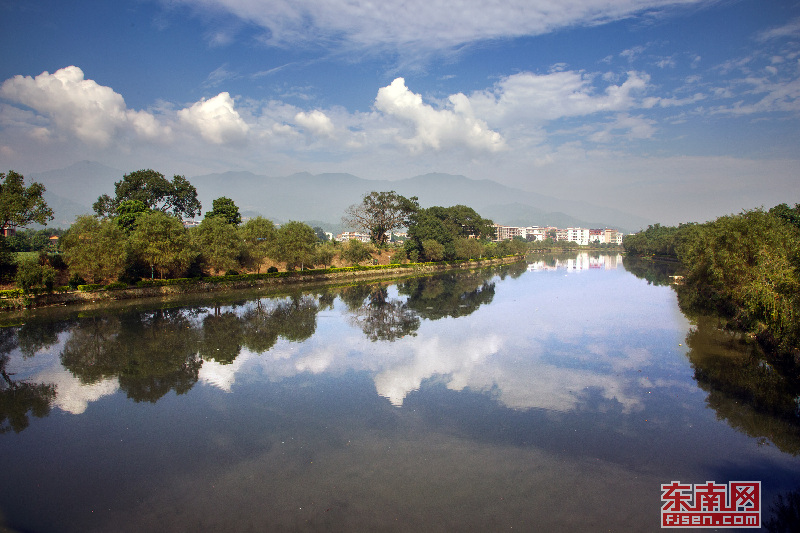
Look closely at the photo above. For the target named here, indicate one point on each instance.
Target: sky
(675, 110)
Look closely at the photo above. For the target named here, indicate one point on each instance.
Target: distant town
(581, 236)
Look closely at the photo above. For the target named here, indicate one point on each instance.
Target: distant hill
(323, 198)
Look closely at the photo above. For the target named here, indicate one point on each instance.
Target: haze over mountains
(323, 198)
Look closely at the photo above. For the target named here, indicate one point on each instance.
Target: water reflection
(744, 389)
(17, 398)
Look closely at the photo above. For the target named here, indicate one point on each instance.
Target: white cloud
(421, 24)
(315, 122)
(790, 29)
(454, 126)
(92, 112)
(538, 98)
(216, 120)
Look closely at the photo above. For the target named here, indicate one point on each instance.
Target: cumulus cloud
(92, 112)
(456, 125)
(536, 98)
(216, 120)
(423, 24)
(315, 122)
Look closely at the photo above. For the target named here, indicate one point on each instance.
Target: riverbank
(15, 300)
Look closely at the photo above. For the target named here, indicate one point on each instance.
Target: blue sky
(677, 110)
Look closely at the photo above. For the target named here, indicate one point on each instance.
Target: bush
(272, 269)
(31, 274)
(398, 257)
(90, 287)
(116, 286)
(76, 280)
(356, 251)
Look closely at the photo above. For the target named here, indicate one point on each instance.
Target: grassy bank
(17, 299)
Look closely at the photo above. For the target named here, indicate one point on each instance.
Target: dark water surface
(553, 396)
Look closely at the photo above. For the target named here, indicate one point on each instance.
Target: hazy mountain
(323, 198)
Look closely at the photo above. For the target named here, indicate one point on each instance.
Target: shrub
(116, 286)
(76, 280)
(272, 269)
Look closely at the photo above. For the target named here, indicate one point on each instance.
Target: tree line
(139, 233)
(746, 267)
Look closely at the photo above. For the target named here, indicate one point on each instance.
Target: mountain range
(323, 198)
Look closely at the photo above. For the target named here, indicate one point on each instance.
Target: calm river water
(556, 395)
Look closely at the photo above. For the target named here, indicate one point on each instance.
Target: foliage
(128, 213)
(324, 254)
(20, 205)
(746, 267)
(433, 250)
(31, 273)
(8, 264)
(163, 243)
(219, 243)
(379, 213)
(356, 251)
(258, 235)
(444, 225)
(294, 245)
(321, 235)
(178, 196)
(30, 240)
(466, 248)
(226, 209)
(95, 249)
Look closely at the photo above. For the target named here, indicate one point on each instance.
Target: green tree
(258, 235)
(294, 245)
(321, 235)
(95, 249)
(379, 213)
(468, 248)
(225, 209)
(163, 243)
(178, 196)
(444, 225)
(356, 251)
(324, 254)
(219, 243)
(433, 250)
(31, 273)
(20, 205)
(128, 213)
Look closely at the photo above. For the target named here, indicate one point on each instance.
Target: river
(553, 395)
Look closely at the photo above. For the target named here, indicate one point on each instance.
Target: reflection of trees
(37, 334)
(452, 295)
(222, 337)
(382, 318)
(19, 397)
(150, 353)
(785, 513)
(655, 272)
(294, 320)
(744, 388)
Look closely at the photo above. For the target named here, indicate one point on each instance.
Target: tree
(468, 248)
(294, 245)
(258, 235)
(20, 205)
(226, 209)
(356, 251)
(381, 212)
(321, 235)
(128, 213)
(444, 225)
(434, 251)
(31, 274)
(178, 197)
(162, 242)
(95, 249)
(219, 243)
